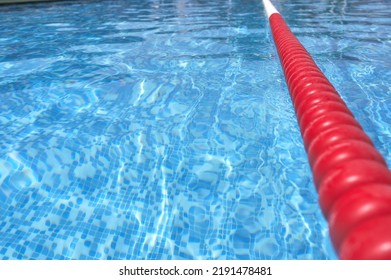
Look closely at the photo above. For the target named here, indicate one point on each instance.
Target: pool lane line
(351, 177)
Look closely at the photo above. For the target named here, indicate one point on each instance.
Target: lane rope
(350, 175)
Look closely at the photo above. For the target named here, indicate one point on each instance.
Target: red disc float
(355, 206)
(347, 175)
(369, 240)
(333, 136)
(352, 178)
(330, 119)
(336, 155)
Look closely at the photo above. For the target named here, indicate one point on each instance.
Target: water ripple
(166, 131)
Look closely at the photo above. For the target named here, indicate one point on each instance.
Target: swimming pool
(164, 130)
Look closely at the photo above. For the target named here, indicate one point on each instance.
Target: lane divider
(350, 175)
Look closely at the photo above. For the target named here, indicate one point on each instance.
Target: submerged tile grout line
(350, 175)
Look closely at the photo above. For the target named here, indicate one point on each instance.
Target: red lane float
(351, 177)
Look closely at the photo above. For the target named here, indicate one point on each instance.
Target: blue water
(164, 130)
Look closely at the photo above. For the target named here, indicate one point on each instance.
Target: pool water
(163, 129)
